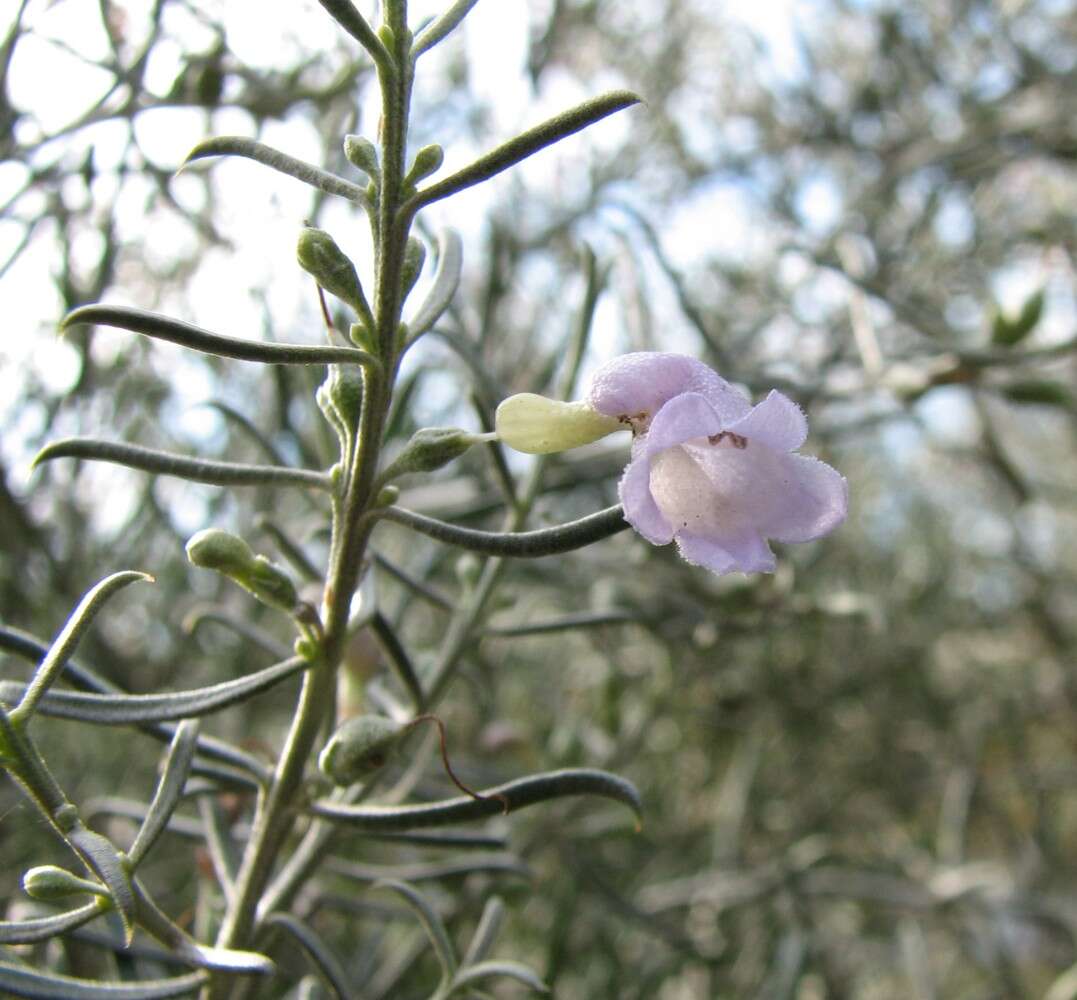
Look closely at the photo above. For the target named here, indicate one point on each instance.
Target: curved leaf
(431, 921)
(60, 651)
(515, 544)
(43, 928)
(522, 792)
(237, 145)
(446, 281)
(169, 789)
(166, 463)
(324, 962)
(486, 970)
(104, 860)
(187, 335)
(239, 761)
(110, 709)
(493, 916)
(22, 981)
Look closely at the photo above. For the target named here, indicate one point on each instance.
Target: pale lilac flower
(709, 470)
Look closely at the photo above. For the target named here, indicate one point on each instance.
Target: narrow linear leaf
(186, 335)
(493, 916)
(348, 17)
(522, 792)
(446, 281)
(64, 645)
(43, 928)
(177, 766)
(238, 761)
(398, 659)
(110, 709)
(500, 864)
(322, 960)
(223, 851)
(237, 145)
(516, 544)
(104, 860)
(157, 923)
(488, 970)
(22, 981)
(430, 920)
(441, 27)
(516, 150)
(166, 463)
(584, 619)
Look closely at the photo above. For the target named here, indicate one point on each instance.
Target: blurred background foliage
(859, 772)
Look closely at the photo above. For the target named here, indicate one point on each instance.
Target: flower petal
(777, 421)
(746, 553)
(641, 383)
(683, 418)
(811, 499)
(640, 509)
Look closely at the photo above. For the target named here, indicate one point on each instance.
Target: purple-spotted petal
(683, 418)
(777, 422)
(811, 500)
(641, 383)
(640, 509)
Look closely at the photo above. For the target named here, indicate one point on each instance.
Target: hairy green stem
(278, 809)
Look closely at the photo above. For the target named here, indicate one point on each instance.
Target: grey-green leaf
(166, 463)
(236, 145)
(64, 646)
(111, 709)
(487, 970)
(431, 921)
(517, 794)
(43, 928)
(100, 854)
(186, 335)
(22, 981)
(493, 915)
(446, 281)
(169, 789)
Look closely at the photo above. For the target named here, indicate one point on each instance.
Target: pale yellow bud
(538, 426)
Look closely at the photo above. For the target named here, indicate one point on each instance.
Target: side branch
(187, 335)
(515, 544)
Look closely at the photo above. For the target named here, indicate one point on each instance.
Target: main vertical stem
(276, 812)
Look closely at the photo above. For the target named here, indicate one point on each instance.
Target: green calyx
(319, 255)
(359, 748)
(229, 555)
(538, 426)
(428, 449)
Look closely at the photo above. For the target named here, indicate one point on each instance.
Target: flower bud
(430, 448)
(414, 257)
(47, 882)
(427, 161)
(537, 425)
(219, 550)
(231, 556)
(319, 255)
(359, 748)
(362, 153)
